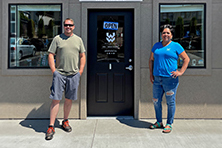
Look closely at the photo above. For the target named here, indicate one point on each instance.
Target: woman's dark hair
(167, 26)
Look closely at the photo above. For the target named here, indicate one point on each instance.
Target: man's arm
(82, 62)
(51, 62)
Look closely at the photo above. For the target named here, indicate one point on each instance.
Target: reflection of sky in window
(181, 8)
(39, 8)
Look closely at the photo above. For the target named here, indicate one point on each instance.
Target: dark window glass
(32, 28)
(110, 38)
(188, 21)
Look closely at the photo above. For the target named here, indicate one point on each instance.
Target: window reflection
(188, 22)
(32, 28)
(110, 33)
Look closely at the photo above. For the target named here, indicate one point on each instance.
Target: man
(68, 48)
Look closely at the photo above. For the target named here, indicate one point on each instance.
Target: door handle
(110, 66)
(130, 68)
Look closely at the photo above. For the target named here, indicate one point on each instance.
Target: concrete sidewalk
(111, 133)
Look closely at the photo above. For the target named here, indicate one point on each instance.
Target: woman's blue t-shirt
(165, 58)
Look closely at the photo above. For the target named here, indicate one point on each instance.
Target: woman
(164, 75)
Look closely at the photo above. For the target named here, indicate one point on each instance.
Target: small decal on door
(110, 37)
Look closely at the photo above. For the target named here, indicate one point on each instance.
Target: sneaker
(66, 126)
(50, 132)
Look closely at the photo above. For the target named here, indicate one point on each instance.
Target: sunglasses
(70, 25)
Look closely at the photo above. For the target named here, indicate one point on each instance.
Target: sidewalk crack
(94, 133)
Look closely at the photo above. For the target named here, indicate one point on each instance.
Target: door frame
(137, 51)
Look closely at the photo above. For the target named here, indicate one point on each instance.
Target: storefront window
(189, 25)
(32, 28)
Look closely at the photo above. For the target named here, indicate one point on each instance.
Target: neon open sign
(110, 25)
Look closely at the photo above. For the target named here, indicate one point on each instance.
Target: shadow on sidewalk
(38, 124)
(135, 123)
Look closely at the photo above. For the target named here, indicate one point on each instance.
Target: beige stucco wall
(24, 93)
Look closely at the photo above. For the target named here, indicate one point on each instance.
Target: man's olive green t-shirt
(67, 51)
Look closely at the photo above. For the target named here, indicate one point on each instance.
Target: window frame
(9, 24)
(204, 32)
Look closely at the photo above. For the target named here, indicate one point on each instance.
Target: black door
(110, 63)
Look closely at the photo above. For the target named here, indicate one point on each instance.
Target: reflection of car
(38, 44)
(185, 42)
(21, 48)
(190, 43)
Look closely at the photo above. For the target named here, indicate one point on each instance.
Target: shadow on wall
(33, 120)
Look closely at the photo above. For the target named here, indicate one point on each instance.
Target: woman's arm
(186, 61)
(151, 67)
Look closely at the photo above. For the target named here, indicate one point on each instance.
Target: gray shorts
(68, 83)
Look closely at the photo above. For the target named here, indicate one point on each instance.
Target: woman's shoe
(167, 128)
(156, 125)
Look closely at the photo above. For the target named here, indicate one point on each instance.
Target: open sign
(110, 25)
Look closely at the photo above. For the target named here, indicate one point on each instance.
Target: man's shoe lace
(50, 132)
(66, 126)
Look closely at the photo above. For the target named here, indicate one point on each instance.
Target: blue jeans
(167, 85)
